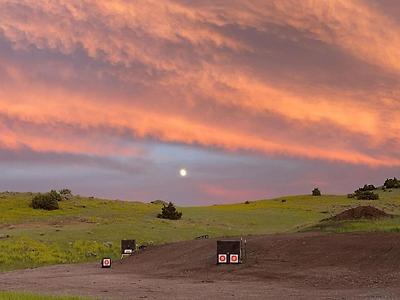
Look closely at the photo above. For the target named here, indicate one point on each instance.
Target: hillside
(85, 229)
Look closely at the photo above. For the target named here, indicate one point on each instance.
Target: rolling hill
(85, 229)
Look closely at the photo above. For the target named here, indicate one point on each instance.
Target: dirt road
(294, 266)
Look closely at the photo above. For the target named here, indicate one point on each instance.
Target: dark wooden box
(128, 246)
(229, 248)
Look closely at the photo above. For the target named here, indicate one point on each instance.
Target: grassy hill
(85, 229)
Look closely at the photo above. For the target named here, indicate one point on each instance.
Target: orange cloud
(352, 25)
(176, 72)
(45, 107)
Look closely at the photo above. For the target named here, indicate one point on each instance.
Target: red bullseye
(234, 258)
(222, 258)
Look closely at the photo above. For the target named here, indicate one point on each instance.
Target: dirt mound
(273, 257)
(360, 212)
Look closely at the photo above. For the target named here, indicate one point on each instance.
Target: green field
(85, 229)
(29, 296)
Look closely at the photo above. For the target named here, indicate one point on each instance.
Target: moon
(183, 172)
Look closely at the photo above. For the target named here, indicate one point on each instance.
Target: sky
(256, 99)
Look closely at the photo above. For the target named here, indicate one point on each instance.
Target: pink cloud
(169, 71)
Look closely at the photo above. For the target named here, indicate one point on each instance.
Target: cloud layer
(309, 80)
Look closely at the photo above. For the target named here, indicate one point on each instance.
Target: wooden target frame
(106, 262)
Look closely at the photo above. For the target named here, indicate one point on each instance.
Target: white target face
(106, 262)
(234, 259)
(222, 258)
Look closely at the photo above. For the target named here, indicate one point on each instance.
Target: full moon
(183, 172)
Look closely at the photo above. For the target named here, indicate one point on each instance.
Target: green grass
(86, 229)
(29, 296)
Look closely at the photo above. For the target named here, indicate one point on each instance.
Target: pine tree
(316, 192)
(169, 212)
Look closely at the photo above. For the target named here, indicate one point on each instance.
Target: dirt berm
(343, 259)
(360, 212)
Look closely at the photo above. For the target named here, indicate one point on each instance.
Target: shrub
(65, 194)
(367, 187)
(48, 201)
(316, 192)
(169, 212)
(55, 195)
(392, 183)
(366, 195)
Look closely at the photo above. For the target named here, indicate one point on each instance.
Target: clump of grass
(27, 252)
(30, 296)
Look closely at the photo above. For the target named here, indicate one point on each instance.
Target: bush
(65, 194)
(367, 187)
(316, 192)
(169, 212)
(55, 195)
(366, 195)
(48, 201)
(392, 183)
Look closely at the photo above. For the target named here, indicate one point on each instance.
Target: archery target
(106, 263)
(234, 258)
(222, 258)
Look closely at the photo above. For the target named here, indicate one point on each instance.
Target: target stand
(231, 251)
(128, 248)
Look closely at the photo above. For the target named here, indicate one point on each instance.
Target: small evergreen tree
(169, 212)
(316, 192)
